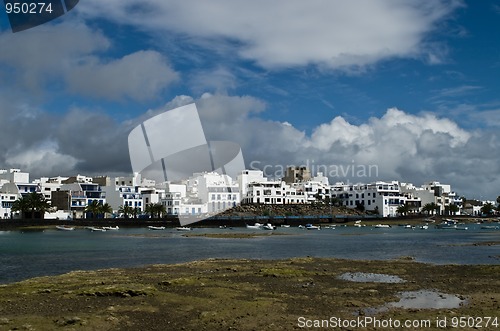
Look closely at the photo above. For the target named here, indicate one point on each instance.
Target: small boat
(268, 226)
(151, 227)
(111, 227)
(424, 227)
(183, 228)
(462, 227)
(312, 227)
(285, 225)
(447, 224)
(64, 228)
(94, 229)
(255, 226)
(382, 226)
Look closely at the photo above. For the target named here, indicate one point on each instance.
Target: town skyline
(410, 87)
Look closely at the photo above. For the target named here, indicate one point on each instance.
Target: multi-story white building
(202, 194)
(379, 196)
(273, 192)
(75, 197)
(6, 202)
(246, 177)
(134, 192)
(435, 192)
(13, 176)
(315, 189)
(218, 192)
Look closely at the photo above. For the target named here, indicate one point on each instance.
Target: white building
(315, 189)
(201, 194)
(435, 192)
(379, 196)
(218, 192)
(246, 177)
(6, 202)
(273, 192)
(13, 176)
(133, 191)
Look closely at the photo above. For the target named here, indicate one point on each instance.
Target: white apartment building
(247, 177)
(218, 192)
(6, 202)
(273, 192)
(317, 188)
(133, 191)
(13, 176)
(434, 192)
(49, 185)
(202, 194)
(382, 196)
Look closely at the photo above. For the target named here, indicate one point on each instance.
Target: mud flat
(245, 295)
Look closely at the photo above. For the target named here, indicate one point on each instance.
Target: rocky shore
(245, 295)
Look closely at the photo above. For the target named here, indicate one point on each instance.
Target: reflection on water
(426, 299)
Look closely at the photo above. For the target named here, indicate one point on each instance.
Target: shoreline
(240, 293)
(237, 221)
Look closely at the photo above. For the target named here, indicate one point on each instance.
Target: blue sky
(411, 87)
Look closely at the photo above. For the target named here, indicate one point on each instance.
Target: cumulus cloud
(141, 75)
(71, 54)
(283, 33)
(400, 146)
(43, 158)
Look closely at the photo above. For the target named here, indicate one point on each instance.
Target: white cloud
(71, 55)
(401, 146)
(44, 158)
(283, 33)
(38, 55)
(140, 75)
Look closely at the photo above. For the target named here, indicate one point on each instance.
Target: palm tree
(31, 203)
(426, 208)
(93, 208)
(403, 209)
(453, 209)
(487, 208)
(105, 209)
(431, 207)
(155, 209)
(126, 210)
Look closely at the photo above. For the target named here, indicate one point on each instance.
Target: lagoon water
(27, 254)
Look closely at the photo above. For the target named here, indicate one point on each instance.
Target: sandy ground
(246, 295)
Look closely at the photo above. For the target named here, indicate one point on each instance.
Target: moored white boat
(382, 226)
(64, 228)
(111, 227)
(255, 226)
(151, 227)
(95, 229)
(312, 227)
(268, 226)
(183, 228)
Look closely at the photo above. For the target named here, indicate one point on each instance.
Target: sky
(407, 89)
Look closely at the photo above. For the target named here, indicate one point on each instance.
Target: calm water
(38, 253)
